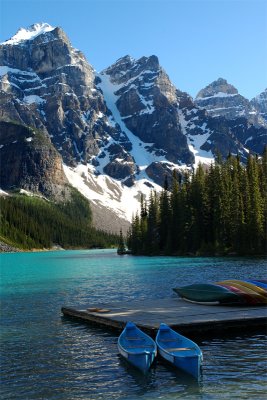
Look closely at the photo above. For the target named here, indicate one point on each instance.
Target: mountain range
(115, 134)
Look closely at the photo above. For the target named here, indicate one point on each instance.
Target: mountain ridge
(120, 131)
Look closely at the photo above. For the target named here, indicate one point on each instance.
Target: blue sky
(197, 41)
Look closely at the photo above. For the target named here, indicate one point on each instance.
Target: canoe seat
(134, 338)
(170, 340)
(179, 348)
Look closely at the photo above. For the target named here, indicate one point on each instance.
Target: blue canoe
(136, 347)
(182, 352)
(260, 284)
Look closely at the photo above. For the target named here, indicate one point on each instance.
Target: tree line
(31, 222)
(220, 210)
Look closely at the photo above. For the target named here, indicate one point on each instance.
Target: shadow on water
(90, 325)
(180, 375)
(160, 374)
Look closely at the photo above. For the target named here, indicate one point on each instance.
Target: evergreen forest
(32, 222)
(220, 210)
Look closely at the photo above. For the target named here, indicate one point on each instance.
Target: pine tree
(255, 208)
(121, 246)
(152, 239)
(262, 166)
(164, 218)
(197, 234)
(177, 216)
(222, 209)
(236, 215)
(134, 238)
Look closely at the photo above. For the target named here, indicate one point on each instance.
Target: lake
(46, 356)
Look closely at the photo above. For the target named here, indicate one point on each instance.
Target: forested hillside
(220, 210)
(32, 222)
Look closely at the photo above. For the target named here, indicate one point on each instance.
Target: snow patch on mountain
(33, 99)
(29, 33)
(218, 94)
(5, 70)
(195, 142)
(108, 192)
(139, 152)
(3, 193)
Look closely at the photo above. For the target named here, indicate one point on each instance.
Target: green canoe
(207, 293)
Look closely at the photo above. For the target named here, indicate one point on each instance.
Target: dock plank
(187, 317)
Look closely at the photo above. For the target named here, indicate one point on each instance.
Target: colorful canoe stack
(232, 291)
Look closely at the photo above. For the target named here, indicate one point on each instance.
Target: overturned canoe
(180, 351)
(136, 347)
(244, 296)
(257, 294)
(208, 293)
(258, 283)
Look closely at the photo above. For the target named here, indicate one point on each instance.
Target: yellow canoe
(251, 286)
(252, 290)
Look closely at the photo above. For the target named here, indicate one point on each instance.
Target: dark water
(45, 356)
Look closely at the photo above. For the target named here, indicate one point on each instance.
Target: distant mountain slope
(29, 222)
(260, 104)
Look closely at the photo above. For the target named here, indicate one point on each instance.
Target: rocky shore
(5, 248)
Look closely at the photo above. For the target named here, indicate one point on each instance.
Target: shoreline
(5, 248)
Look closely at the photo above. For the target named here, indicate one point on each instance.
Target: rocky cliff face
(147, 103)
(221, 99)
(119, 132)
(30, 161)
(244, 119)
(48, 84)
(260, 104)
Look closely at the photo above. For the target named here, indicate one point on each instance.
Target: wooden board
(180, 315)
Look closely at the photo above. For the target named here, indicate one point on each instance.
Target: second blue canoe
(180, 351)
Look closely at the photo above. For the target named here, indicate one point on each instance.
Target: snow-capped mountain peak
(29, 33)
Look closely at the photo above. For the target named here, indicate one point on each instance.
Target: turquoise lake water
(46, 356)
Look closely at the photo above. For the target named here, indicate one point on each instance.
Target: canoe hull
(245, 298)
(178, 350)
(137, 348)
(142, 361)
(189, 364)
(206, 293)
(228, 292)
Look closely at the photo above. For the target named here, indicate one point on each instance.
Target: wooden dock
(188, 318)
